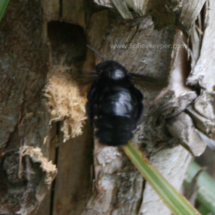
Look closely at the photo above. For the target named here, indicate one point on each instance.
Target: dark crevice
(186, 147)
(52, 196)
(141, 197)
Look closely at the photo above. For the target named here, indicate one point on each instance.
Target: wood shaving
(65, 102)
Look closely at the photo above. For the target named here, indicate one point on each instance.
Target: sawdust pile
(37, 156)
(65, 102)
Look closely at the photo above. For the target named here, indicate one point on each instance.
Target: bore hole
(68, 43)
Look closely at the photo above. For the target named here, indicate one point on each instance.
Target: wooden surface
(96, 179)
(73, 184)
(24, 120)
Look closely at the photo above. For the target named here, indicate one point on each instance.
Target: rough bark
(34, 43)
(26, 173)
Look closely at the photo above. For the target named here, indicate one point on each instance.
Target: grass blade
(206, 186)
(3, 6)
(177, 203)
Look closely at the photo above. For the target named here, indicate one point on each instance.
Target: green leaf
(204, 210)
(3, 6)
(206, 186)
(177, 203)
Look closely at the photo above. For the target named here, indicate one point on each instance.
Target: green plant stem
(206, 186)
(177, 203)
(3, 6)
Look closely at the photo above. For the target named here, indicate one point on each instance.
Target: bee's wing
(147, 81)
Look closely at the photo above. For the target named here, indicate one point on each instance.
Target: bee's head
(111, 70)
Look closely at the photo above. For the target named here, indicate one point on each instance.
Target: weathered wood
(23, 116)
(73, 184)
(45, 206)
(138, 45)
(174, 173)
(202, 74)
(153, 59)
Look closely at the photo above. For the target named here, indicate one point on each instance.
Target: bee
(114, 105)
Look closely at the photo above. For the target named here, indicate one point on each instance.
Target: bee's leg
(139, 112)
(139, 108)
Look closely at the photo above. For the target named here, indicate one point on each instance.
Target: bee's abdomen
(114, 130)
(117, 101)
(115, 111)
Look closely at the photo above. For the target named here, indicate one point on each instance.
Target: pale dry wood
(154, 60)
(117, 185)
(182, 13)
(174, 173)
(177, 102)
(203, 73)
(203, 70)
(190, 10)
(122, 8)
(181, 125)
(139, 6)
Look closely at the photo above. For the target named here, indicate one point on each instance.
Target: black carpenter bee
(114, 104)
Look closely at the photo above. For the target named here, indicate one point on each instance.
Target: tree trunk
(43, 47)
